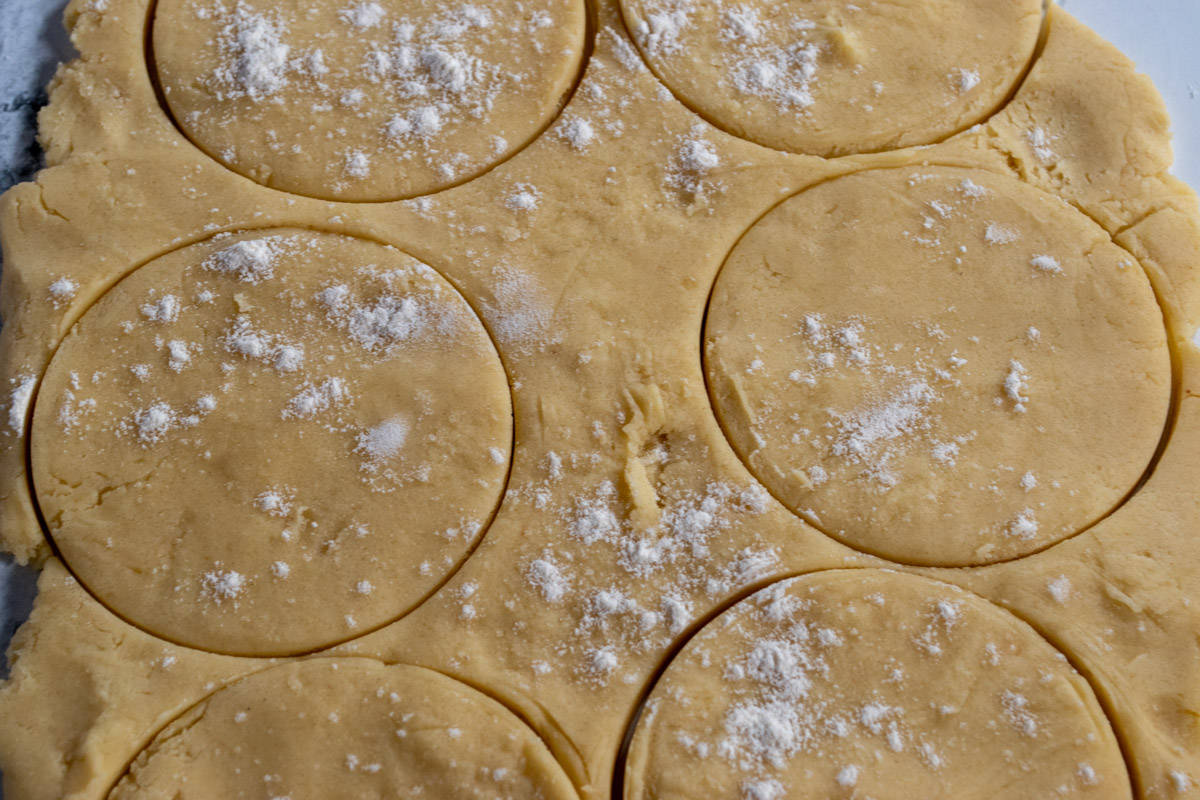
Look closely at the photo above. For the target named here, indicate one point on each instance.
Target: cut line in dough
(273, 441)
(349, 727)
(938, 366)
(852, 683)
(829, 78)
(363, 101)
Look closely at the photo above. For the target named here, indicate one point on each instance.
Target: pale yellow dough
(938, 366)
(270, 442)
(569, 440)
(831, 78)
(855, 684)
(365, 100)
(345, 728)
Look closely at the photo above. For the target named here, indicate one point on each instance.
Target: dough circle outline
(410, 723)
(851, 705)
(384, 314)
(760, 100)
(404, 136)
(828, 443)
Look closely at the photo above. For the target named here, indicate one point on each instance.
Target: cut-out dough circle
(366, 100)
(270, 442)
(832, 78)
(852, 684)
(329, 728)
(938, 366)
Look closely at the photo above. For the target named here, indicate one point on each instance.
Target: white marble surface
(32, 42)
(1158, 34)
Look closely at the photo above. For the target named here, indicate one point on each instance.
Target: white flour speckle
(1060, 589)
(524, 197)
(762, 790)
(18, 402)
(1039, 141)
(363, 15)
(579, 133)
(385, 440)
(256, 59)
(549, 579)
(276, 502)
(63, 290)
(1000, 235)
(165, 309)
(315, 398)
(358, 164)
(154, 422)
(1016, 382)
(1047, 264)
(222, 585)
(1016, 711)
(1024, 526)
(965, 79)
(250, 261)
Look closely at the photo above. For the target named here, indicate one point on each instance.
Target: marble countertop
(32, 42)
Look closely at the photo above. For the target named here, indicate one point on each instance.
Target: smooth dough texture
(365, 100)
(831, 78)
(540, 430)
(350, 728)
(938, 366)
(270, 442)
(871, 684)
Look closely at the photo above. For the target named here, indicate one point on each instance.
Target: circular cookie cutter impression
(871, 684)
(938, 366)
(365, 100)
(270, 442)
(833, 78)
(346, 728)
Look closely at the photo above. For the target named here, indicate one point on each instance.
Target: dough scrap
(365, 100)
(871, 684)
(939, 366)
(831, 78)
(271, 441)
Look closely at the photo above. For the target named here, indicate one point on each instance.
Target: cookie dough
(871, 684)
(625, 518)
(345, 728)
(939, 366)
(271, 441)
(362, 99)
(830, 78)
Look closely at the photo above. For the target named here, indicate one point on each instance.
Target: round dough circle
(832, 78)
(270, 442)
(938, 366)
(366, 100)
(346, 728)
(867, 683)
